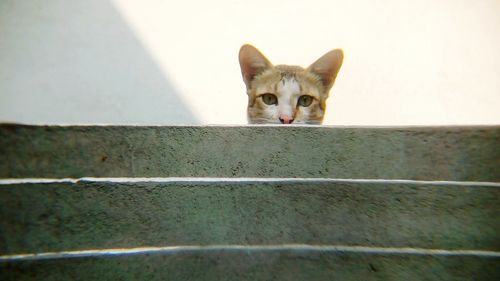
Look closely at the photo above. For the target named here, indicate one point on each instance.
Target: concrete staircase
(249, 203)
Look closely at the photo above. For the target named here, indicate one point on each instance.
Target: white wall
(175, 62)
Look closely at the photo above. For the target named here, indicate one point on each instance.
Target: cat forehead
(283, 73)
(288, 86)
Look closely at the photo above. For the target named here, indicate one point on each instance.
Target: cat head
(285, 94)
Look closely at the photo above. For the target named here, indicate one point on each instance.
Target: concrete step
(89, 215)
(420, 153)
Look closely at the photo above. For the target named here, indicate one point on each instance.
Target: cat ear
(252, 63)
(327, 67)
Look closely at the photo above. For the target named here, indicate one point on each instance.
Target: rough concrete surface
(81, 215)
(242, 265)
(56, 217)
(430, 153)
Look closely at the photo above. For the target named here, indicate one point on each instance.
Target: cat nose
(286, 119)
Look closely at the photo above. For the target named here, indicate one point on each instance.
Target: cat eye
(269, 99)
(305, 100)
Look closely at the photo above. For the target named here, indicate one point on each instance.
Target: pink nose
(286, 119)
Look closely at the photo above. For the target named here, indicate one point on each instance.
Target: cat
(285, 94)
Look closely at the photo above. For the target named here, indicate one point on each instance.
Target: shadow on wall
(77, 62)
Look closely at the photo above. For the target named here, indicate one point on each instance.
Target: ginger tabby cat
(285, 94)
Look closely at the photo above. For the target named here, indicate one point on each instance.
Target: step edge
(247, 249)
(194, 180)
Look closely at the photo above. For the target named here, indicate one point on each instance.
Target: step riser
(55, 217)
(453, 153)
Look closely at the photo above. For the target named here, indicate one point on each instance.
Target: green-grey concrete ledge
(46, 217)
(457, 153)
